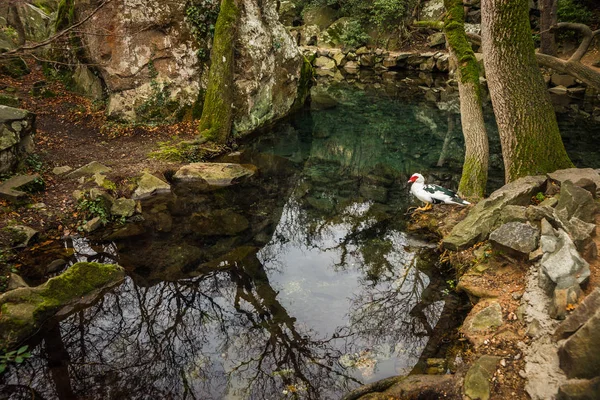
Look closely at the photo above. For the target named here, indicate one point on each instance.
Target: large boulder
(154, 65)
(579, 353)
(516, 238)
(25, 309)
(482, 219)
(564, 261)
(576, 202)
(576, 175)
(17, 129)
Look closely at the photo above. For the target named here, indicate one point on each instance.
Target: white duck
(433, 194)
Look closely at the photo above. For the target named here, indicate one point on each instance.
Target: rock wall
(268, 67)
(147, 57)
(145, 50)
(17, 128)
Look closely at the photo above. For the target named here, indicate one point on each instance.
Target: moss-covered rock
(24, 310)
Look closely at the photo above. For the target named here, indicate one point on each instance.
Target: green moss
(65, 15)
(217, 112)
(14, 68)
(24, 310)
(473, 179)
(454, 28)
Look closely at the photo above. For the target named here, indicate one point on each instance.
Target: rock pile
(17, 128)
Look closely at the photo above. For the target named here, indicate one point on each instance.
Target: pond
(301, 282)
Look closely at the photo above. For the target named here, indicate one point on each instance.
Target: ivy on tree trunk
(529, 135)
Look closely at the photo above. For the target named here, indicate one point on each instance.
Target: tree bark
(548, 19)
(475, 167)
(529, 135)
(217, 111)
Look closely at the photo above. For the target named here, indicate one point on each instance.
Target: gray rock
(517, 238)
(87, 84)
(582, 313)
(580, 389)
(548, 244)
(575, 175)
(477, 379)
(566, 293)
(512, 213)
(579, 353)
(483, 217)
(565, 261)
(437, 39)
(562, 80)
(486, 319)
(88, 170)
(577, 202)
(149, 186)
(22, 235)
(15, 282)
(92, 224)
(546, 228)
(123, 207)
(537, 213)
(9, 189)
(55, 266)
(61, 170)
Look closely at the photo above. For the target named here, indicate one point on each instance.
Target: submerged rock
(24, 310)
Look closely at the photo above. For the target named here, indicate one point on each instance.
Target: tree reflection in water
(323, 290)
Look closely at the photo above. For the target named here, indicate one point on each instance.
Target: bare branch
(584, 30)
(23, 49)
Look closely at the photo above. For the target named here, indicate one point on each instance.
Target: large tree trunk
(475, 167)
(548, 19)
(531, 142)
(217, 111)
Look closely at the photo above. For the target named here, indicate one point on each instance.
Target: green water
(298, 283)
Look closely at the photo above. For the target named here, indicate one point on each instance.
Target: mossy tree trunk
(529, 135)
(475, 168)
(217, 112)
(548, 18)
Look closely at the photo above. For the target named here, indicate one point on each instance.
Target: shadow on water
(299, 282)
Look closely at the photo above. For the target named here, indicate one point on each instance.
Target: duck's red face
(413, 178)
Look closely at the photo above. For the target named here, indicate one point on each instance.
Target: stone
(577, 202)
(580, 389)
(574, 175)
(340, 59)
(582, 313)
(9, 189)
(478, 377)
(320, 99)
(442, 63)
(483, 217)
(432, 10)
(15, 282)
(566, 294)
(325, 63)
(87, 84)
(219, 223)
(55, 266)
(21, 235)
(61, 170)
(17, 129)
(578, 355)
(565, 261)
(351, 67)
(211, 176)
(88, 170)
(512, 213)
(516, 238)
(546, 228)
(92, 224)
(548, 244)
(149, 186)
(25, 309)
(537, 213)
(437, 39)
(123, 207)
(367, 60)
(562, 80)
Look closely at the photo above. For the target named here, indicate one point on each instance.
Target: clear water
(301, 282)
